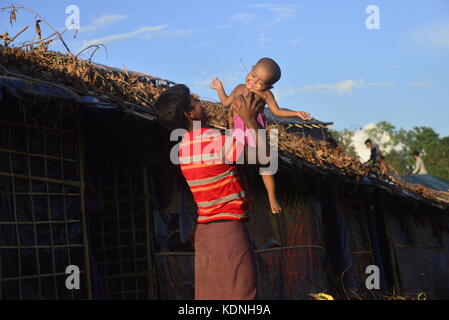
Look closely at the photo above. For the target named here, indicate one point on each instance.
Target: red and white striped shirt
(207, 162)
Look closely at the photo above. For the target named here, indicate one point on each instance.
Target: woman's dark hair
(171, 105)
(415, 153)
(368, 141)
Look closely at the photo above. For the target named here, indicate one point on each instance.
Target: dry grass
(79, 75)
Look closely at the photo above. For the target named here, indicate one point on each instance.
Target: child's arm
(282, 113)
(224, 99)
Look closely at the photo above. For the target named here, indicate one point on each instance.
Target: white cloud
(204, 82)
(162, 33)
(147, 31)
(102, 22)
(419, 84)
(280, 11)
(243, 18)
(261, 5)
(109, 19)
(280, 93)
(342, 87)
(274, 5)
(263, 39)
(380, 84)
(435, 35)
(296, 40)
(227, 81)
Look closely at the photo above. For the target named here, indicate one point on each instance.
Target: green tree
(344, 138)
(398, 144)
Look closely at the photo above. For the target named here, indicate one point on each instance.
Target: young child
(259, 80)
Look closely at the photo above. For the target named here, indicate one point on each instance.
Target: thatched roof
(427, 180)
(134, 92)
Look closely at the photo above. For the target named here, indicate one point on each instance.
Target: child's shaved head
(271, 66)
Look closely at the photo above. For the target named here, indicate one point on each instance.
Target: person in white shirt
(420, 167)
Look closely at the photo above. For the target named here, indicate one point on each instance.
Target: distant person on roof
(420, 168)
(376, 160)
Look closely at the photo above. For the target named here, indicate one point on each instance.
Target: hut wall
(41, 201)
(119, 229)
(420, 239)
(358, 240)
(352, 234)
(291, 249)
(174, 215)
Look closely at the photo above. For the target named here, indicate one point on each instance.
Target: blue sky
(332, 65)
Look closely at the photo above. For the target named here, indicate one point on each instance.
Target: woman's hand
(304, 116)
(216, 84)
(246, 106)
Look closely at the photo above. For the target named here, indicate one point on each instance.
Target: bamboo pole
(83, 209)
(133, 231)
(61, 163)
(35, 127)
(38, 222)
(41, 179)
(36, 155)
(100, 190)
(47, 275)
(152, 283)
(52, 246)
(117, 216)
(165, 254)
(55, 246)
(38, 267)
(124, 260)
(19, 267)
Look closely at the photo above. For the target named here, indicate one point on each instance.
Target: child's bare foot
(275, 206)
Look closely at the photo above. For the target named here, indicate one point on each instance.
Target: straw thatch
(124, 88)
